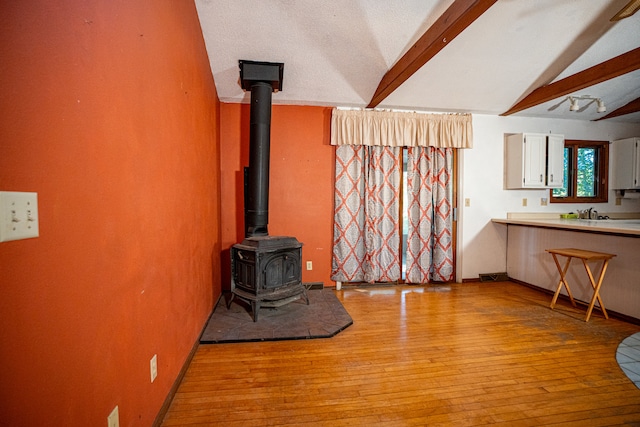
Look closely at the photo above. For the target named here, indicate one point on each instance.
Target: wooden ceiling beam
(631, 107)
(614, 67)
(452, 22)
(630, 8)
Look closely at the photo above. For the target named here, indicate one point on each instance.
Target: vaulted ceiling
(504, 57)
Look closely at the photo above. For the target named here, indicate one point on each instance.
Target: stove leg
(230, 301)
(255, 308)
(306, 297)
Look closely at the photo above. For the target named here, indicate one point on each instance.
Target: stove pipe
(256, 210)
(261, 78)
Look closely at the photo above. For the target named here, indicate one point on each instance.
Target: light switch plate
(18, 215)
(153, 366)
(113, 420)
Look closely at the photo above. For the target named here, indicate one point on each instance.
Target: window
(586, 170)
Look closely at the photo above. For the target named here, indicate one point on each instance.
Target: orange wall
(109, 112)
(301, 182)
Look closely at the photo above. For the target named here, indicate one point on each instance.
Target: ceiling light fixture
(574, 106)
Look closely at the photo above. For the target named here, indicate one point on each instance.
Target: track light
(574, 106)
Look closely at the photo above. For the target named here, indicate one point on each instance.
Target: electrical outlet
(618, 201)
(309, 265)
(467, 202)
(153, 365)
(543, 201)
(113, 420)
(18, 215)
(524, 202)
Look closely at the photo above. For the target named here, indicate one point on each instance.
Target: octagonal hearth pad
(324, 317)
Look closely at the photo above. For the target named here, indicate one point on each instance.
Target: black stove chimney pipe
(261, 78)
(256, 210)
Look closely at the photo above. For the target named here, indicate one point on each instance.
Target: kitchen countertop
(626, 227)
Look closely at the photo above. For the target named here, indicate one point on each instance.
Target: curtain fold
(429, 254)
(400, 129)
(366, 217)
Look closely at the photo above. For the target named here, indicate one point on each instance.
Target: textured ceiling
(336, 52)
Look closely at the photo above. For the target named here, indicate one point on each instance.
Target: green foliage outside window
(586, 179)
(564, 191)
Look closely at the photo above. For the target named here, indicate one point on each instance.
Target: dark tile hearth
(324, 317)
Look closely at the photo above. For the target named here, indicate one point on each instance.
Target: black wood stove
(265, 270)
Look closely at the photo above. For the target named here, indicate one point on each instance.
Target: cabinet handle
(551, 177)
(540, 177)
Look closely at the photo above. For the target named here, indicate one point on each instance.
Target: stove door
(282, 269)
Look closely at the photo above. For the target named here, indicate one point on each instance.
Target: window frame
(602, 172)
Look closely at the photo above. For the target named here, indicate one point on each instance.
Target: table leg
(596, 289)
(563, 281)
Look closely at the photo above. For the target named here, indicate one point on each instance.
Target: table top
(581, 253)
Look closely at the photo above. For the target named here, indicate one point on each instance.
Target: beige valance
(400, 129)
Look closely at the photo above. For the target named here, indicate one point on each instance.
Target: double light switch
(18, 215)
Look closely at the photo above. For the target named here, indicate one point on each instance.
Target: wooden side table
(585, 256)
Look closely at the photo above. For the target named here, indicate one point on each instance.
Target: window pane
(586, 179)
(564, 192)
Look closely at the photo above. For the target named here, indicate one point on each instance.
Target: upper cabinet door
(555, 161)
(535, 153)
(534, 160)
(626, 164)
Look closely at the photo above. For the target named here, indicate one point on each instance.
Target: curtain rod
(393, 110)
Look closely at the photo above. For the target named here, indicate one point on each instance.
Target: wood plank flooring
(462, 354)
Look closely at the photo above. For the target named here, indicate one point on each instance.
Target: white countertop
(630, 227)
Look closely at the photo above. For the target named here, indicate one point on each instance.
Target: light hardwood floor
(461, 354)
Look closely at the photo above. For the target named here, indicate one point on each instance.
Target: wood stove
(265, 270)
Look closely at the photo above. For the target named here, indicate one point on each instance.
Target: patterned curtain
(429, 241)
(366, 226)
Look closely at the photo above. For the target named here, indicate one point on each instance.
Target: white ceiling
(335, 52)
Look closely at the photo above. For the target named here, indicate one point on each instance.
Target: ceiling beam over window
(453, 21)
(614, 67)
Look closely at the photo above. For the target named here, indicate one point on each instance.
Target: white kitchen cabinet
(626, 164)
(555, 161)
(534, 160)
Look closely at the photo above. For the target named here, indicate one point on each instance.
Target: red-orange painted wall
(301, 181)
(109, 112)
